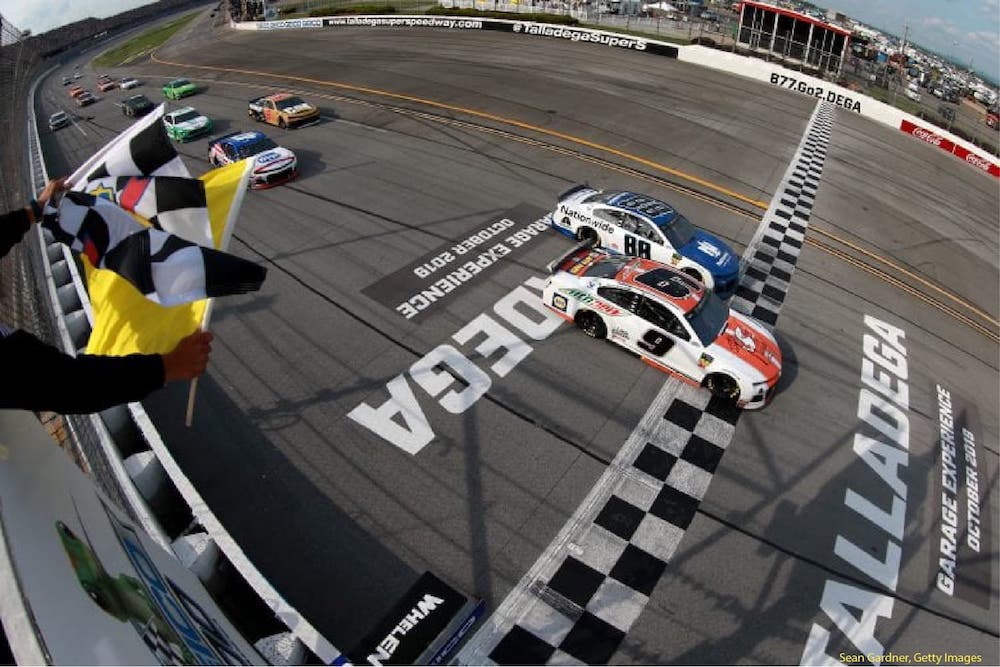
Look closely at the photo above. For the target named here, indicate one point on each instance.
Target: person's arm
(40, 377)
(15, 224)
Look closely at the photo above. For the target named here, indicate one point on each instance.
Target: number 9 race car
(672, 322)
(641, 226)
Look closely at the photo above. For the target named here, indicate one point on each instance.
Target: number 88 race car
(671, 321)
(641, 226)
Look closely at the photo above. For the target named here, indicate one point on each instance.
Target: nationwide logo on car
(592, 301)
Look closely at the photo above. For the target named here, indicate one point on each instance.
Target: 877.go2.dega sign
(812, 90)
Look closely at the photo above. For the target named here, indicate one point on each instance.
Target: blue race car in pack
(273, 164)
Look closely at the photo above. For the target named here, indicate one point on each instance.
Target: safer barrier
(730, 63)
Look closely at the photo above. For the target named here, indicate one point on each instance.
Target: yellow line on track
(485, 115)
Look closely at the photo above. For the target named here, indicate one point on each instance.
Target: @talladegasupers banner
(100, 591)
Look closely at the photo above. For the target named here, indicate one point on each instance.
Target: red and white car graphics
(669, 319)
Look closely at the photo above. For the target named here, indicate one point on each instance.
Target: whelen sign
(945, 144)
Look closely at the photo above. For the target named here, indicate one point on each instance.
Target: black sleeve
(13, 226)
(40, 377)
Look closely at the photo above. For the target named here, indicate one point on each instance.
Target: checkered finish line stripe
(769, 261)
(578, 606)
(579, 600)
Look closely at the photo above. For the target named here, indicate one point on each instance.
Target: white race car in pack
(641, 226)
(671, 321)
(272, 164)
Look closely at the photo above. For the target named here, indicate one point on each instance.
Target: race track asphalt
(426, 137)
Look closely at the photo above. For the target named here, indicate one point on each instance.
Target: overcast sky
(962, 29)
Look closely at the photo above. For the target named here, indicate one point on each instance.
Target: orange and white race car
(283, 109)
(669, 319)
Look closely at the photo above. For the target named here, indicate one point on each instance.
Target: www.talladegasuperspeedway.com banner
(527, 28)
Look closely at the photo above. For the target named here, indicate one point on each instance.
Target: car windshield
(289, 102)
(186, 116)
(138, 101)
(254, 146)
(607, 267)
(59, 115)
(708, 318)
(180, 82)
(679, 231)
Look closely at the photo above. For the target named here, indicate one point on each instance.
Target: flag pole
(227, 234)
(189, 417)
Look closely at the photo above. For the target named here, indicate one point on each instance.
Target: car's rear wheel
(591, 324)
(723, 386)
(587, 235)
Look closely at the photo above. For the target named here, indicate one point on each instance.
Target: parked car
(129, 83)
(105, 84)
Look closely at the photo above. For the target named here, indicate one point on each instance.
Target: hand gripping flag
(165, 268)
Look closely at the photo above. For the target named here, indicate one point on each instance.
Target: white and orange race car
(669, 319)
(283, 109)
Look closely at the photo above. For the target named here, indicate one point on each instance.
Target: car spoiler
(572, 191)
(223, 137)
(577, 252)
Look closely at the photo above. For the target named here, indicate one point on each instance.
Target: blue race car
(641, 226)
(272, 163)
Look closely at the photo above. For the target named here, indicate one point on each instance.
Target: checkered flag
(142, 150)
(170, 203)
(165, 268)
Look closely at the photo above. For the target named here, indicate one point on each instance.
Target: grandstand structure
(9, 33)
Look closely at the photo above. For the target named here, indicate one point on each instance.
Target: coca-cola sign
(924, 134)
(977, 160)
(962, 153)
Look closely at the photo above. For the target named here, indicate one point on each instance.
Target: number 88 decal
(636, 247)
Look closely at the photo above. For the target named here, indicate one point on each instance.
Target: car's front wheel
(587, 235)
(722, 385)
(591, 324)
(282, 124)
